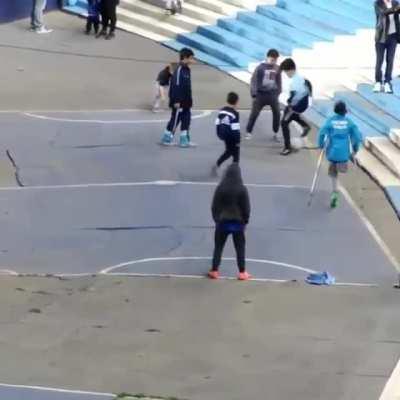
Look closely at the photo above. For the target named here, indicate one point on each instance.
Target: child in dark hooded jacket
(231, 213)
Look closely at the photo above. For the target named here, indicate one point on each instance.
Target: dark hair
(288, 65)
(273, 53)
(340, 108)
(232, 179)
(232, 98)
(185, 53)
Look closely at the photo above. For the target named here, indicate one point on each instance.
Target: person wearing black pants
(231, 213)
(228, 130)
(265, 88)
(108, 18)
(387, 35)
(289, 116)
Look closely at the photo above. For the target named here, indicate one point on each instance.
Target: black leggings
(239, 241)
(259, 103)
(232, 149)
(288, 117)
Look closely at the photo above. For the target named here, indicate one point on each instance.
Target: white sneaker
(378, 87)
(388, 88)
(43, 30)
(248, 136)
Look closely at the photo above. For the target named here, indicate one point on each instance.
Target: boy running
(339, 132)
(265, 88)
(180, 100)
(298, 102)
(228, 130)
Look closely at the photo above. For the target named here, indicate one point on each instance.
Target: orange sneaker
(213, 274)
(244, 276)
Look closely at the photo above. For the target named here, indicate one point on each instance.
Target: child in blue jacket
(180, 100)
(338, 134)
(93, 18)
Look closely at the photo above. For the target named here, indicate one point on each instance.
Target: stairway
(332, 42)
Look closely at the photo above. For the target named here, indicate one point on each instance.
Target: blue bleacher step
(301, 23)
(203, 57)
(368, 112)
(233, 41)
(387, 152)
(365, 17)
(326, 19)
(256, 35)
(216, 50)
(366, 5)
(393, 193)
(278, 29)
(325, 108)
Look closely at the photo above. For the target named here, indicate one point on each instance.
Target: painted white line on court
(101, 121)
(133, 184)
(8, 272)
(391, 390)
(58, 390)
(109, 270)
(374, 233)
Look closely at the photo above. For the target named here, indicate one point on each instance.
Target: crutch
(316, 175)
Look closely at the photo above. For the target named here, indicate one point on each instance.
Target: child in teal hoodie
(342, 139)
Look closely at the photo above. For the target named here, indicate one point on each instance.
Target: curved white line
(109, 270)
(8, 272)
(149, 183)
(58, 390)
(100, 121)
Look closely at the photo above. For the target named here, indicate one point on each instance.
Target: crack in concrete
(16, 169)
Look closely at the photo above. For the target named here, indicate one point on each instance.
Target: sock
(334, 184)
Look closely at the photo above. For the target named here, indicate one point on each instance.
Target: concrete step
(216, 49)
(359, 14)
(321, 17)
(256, 35)
(385, 151)
(196, 12)
(148, 10)
(234, 41)
(141, 32)
(149, 24)
(299, 22)
(218, 6)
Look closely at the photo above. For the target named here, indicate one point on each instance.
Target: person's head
(340, 108)
(186, 56)
(232, 99)
(272, 56)
(289, 67)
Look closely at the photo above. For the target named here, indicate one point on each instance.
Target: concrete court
(74, 230)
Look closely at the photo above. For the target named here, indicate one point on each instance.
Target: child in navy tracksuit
(337, 135)
(180, 100)
(228, 130)
(93, 18)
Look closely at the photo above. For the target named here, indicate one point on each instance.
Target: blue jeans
(388, 48)
(38, 7)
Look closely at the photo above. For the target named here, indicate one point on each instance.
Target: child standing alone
(337, 135)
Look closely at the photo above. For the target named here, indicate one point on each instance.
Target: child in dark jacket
(180, 100)
(162, 84)
(228, 130)
(231, 213)
(93, 18)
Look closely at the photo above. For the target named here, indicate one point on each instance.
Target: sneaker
(101, 33)
(167, 139)
(388, 88)
(334, 199)
(275, 138)
(110, 36)
(306, 131)
(377, 87)
(168, 11)
(184, 141)
(248, 136)
(213, 274)
(285, 152)
(43, 30)
(244, 276)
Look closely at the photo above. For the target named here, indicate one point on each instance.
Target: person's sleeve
(235, 127)
(355, 137)
(323, 134)
(244, 205)
(254, 83)
(279, 81)
(215, 207)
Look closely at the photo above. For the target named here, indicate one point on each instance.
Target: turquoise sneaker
(167, 138)
(184, 140)
(334, 199)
